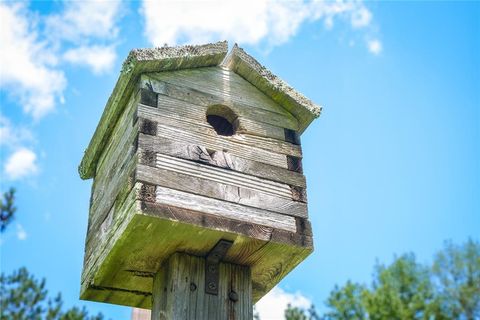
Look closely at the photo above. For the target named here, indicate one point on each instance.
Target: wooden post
(179, 291)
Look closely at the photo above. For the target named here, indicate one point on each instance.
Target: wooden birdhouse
(197, 154)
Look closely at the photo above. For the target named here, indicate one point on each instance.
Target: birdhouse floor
(145, 234)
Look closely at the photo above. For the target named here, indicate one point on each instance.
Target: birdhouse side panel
(187, 154)
(114, 175)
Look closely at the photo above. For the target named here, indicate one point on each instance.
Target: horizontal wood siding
(221, 184)
(222, 159)
(201, 128)
(114, 172)
(219, 82)
(185, 97)
(213, 206)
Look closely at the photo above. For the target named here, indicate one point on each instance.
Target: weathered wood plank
(255, 128)
(185, 96)
(220, 144)
(233, 194)
(114, 167)
(238, 212)
(203, 220)
(115, 154)
(246, 123)
(220, 159)
(107, 208)
(101, 206)
(179, 291)
(221, 175)
(281, 260)
(102, 242)
(219, 82)
(202, 128)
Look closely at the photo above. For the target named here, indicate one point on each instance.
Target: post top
(187, 57)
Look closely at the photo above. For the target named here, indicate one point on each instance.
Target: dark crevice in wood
(294, 164)
(204, 220)
(303, 226)
(148, 97)
(135, 144)
(147, 192)
(142, 274)
(292, 136)
(148, 127)
(135, 117)
(136, 292)
(299, 194)
(148, 158)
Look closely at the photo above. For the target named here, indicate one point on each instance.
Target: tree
(346, 303)
(7, 206)
(295, 313)
(24, 297)
(400, 291)
(407, 290)
(456, 273)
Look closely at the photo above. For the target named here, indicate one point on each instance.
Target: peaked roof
(187, 57)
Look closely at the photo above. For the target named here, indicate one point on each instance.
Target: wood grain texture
(220, 184)
(202, 129)
(221, 83)
(222, 176)
(115, 153)
(190, 98)
(221, 208)
(179, 291)
(220, 144)
(222, 159)
(302, 237)
(114, 166)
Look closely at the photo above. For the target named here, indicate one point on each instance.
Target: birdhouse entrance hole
(222, 119)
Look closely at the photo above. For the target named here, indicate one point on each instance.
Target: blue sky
(392, 164)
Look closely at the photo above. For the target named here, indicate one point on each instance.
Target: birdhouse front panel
(195, 155)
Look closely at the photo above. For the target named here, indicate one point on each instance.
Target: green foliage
(294, 313)
(456, 273)
(407, 290)
(24, 297)
(346, 303)
(7, 208)
(402, 290)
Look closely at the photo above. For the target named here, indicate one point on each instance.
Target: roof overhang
(141, 61)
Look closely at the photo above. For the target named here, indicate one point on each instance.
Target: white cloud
(245, 22)
(21, 233)
(12, 136)
(274, 303)
(33, 49)
(82, 23)
(28, 63)
(99, 58)
(374, 46)
(20, 164)
(81, 19)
